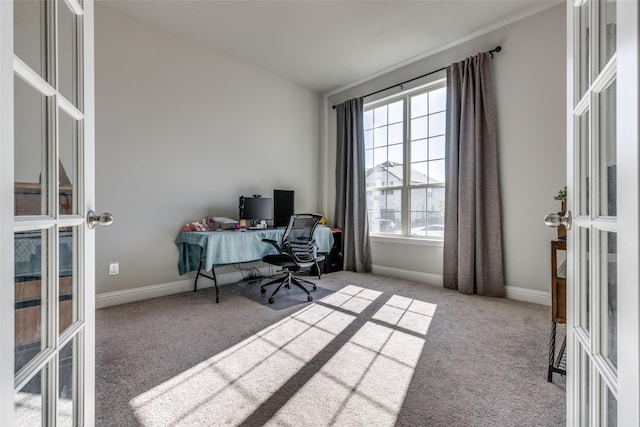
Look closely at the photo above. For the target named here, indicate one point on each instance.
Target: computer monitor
(256, 209)
(283, 207)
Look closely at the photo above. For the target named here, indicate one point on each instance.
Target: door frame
(628, 223)
(6, 209)
(86, 191)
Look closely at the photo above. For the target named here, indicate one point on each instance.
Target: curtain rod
(491, 52)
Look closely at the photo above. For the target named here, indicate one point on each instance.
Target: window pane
(368, 139)
(28, 36)
(396, 112)
(395, 174)
(438, 100)
(419, 173)
(585, 159)
(609, 292)
(67, 305)
(582, 56)
(608, 31)
(585, 389)
(419, 150)
(395, 134)
(612, 409)
(608, 151)
(67, 385)
(436, 172)
(30, 264)
(419, 105)
(419, 128)
(368, 159)
(436, 148)
(68, 54)
(395, 154)
(437, 124)
(584, 282)
(29, 403)
(368, 119)
(380, 116)
(380, 136)
(68, 163)
(30, 156)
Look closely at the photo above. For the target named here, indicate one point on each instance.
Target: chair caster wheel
(309, 298)
(271, 300)
(314, 288)
(263, 291)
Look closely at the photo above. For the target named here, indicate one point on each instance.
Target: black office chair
(298, 253)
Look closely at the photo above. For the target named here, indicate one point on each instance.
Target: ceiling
(327, 44)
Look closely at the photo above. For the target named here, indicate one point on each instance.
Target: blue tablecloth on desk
(235, 247)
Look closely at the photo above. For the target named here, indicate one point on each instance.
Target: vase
(562, 230)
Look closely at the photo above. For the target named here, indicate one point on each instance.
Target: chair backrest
(298, 241)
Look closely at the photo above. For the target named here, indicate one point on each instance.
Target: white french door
(603, 329)
(47, 297)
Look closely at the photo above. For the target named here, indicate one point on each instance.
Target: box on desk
(221, 223)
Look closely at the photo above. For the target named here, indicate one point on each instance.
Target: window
(408, 129)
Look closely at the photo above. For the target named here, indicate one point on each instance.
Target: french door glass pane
(583, 58)
(29, 41)
(68, 163)
(607, 30)
(68, 277)
(30, 150)
(585, 389)
(66, 384)
(30, 295)
(29, 403)
(585, 162)
(68, 54)
(608, 151)
(611, 409)
(609, 292)
(583, 279)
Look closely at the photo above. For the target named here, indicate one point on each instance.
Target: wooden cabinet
(558, 282)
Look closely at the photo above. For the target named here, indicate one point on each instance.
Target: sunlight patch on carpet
(365, 380)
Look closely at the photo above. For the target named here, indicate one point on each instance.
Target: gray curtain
(473, 236)
(351, 191)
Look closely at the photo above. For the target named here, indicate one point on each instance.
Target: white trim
(69, 108)
(75, 7)
(108, 299)
(406, 240)
(513, 292)
(416, 276)
(528, 295)
(6, 213)
(32, 78)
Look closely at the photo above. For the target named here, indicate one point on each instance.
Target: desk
(207, 249)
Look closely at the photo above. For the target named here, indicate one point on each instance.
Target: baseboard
(163, 289)
(529, 295)
(512, 292)
(155, 291)
(416, 276)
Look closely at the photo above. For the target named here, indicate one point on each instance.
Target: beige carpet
(368, 351)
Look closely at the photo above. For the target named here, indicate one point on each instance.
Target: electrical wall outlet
(114, 268)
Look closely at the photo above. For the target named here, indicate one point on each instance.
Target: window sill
(404, 240)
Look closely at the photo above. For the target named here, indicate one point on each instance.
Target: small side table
(557, 362)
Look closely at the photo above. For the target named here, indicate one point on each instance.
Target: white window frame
(405, 231)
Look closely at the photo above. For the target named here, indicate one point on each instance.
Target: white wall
(181, 132)
(530, 89)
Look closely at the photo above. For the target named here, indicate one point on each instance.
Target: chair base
(286, 282)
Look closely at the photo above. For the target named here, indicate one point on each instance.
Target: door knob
(558, 219)
(104, 219)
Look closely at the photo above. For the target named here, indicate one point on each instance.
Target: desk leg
(212, 277)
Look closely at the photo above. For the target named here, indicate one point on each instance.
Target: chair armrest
(274, 243)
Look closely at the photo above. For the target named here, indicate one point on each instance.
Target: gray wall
(530, 86)
(181, 132)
